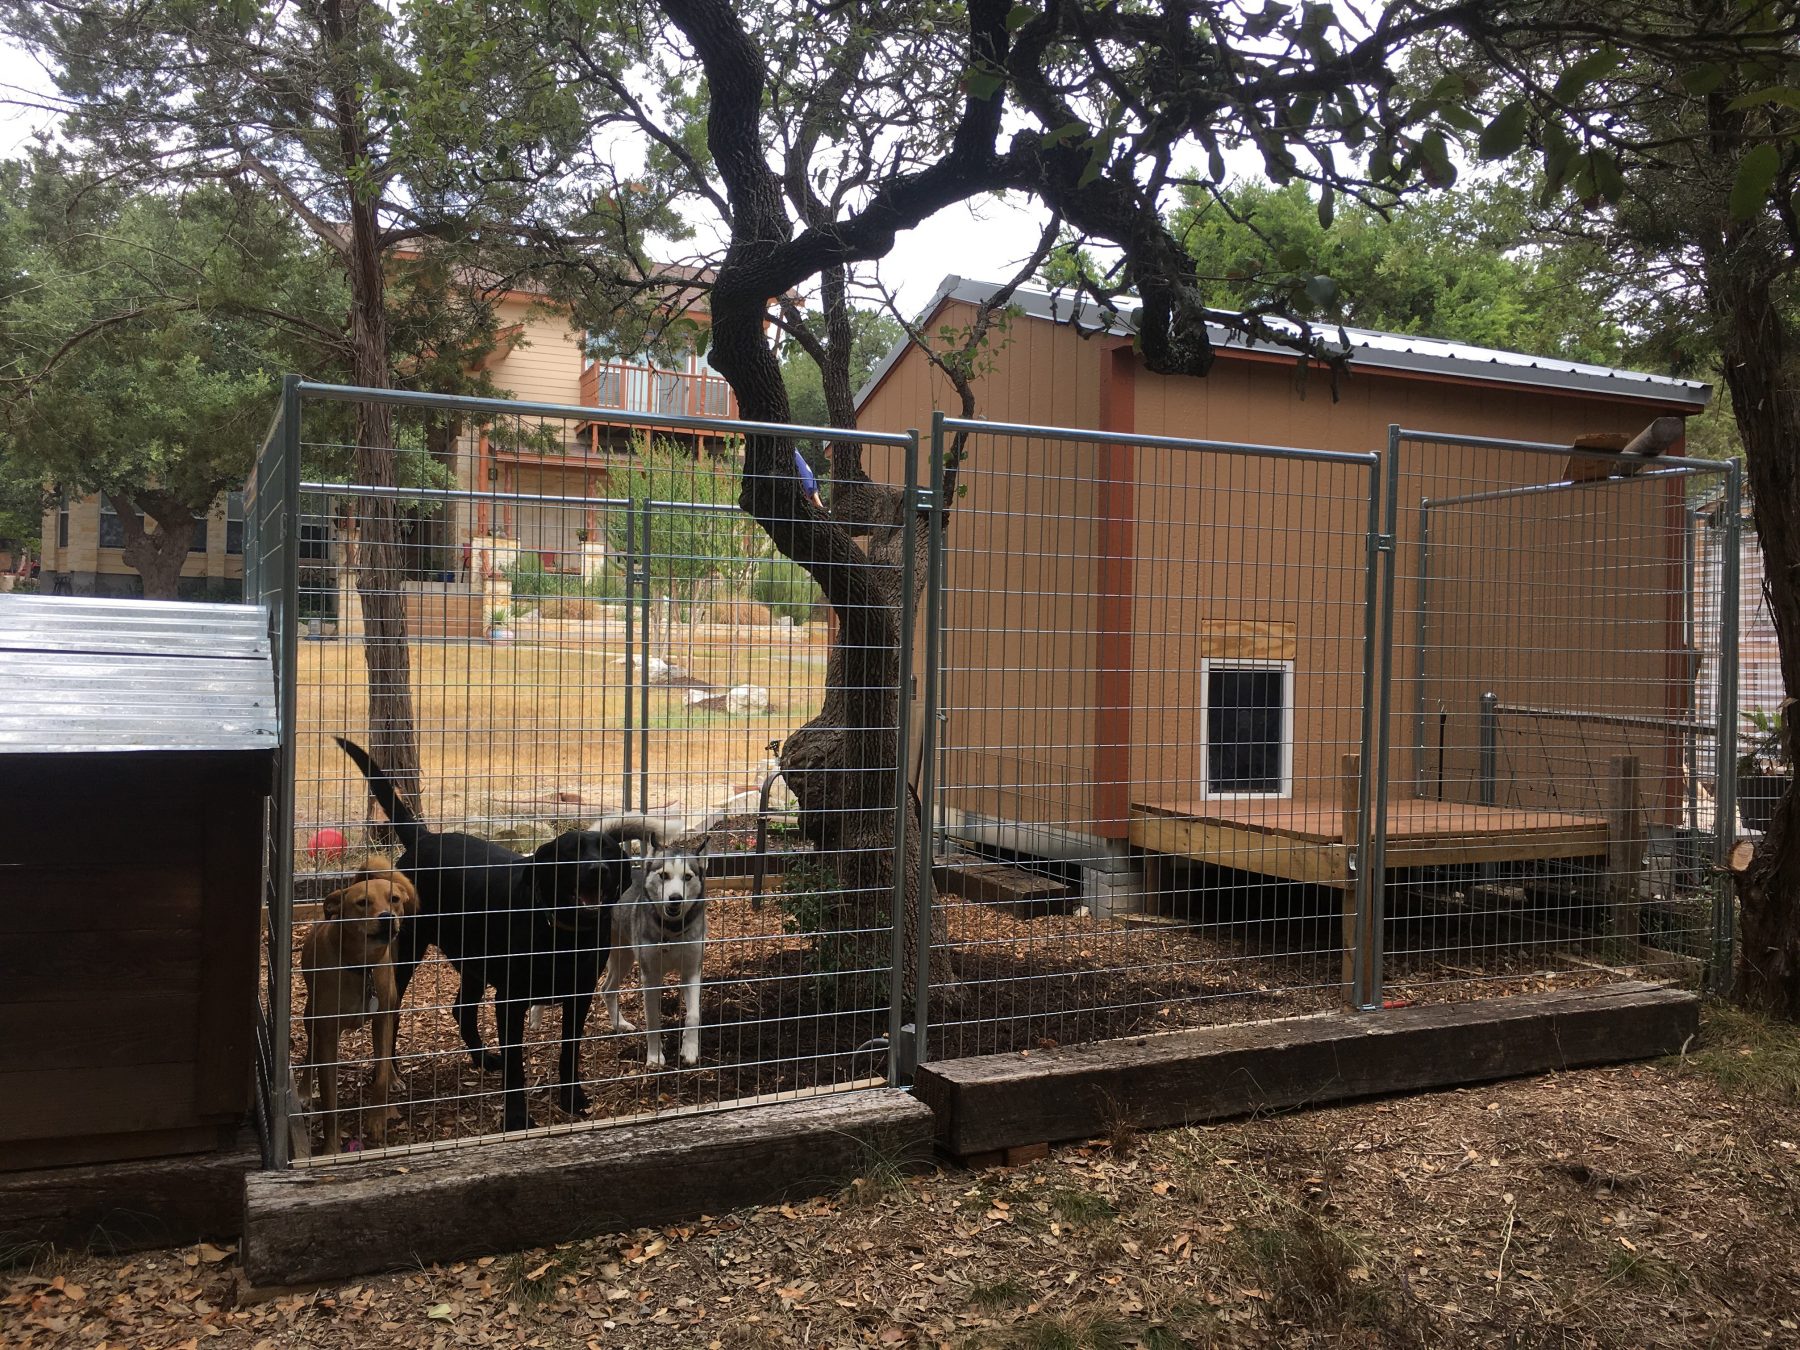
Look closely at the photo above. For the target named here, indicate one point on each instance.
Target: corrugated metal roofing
(89, 675)
(1368, 348)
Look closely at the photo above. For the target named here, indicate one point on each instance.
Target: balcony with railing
(646, 389)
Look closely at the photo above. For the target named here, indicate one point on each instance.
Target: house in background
(83, 552)
(1153, 650)
(457, 554)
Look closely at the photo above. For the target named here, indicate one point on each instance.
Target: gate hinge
(1384, 543)
(926, 499)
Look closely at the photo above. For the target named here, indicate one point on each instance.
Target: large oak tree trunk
(1758, 353)
(157, 555)
(841, 764)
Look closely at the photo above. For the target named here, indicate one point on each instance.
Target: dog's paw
(653, 1060)
(572, 1099)
(517, 1120)
(690, 1055)
(623, 1024)
(485, 1061)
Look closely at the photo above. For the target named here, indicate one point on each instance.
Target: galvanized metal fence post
(631, 652)
(934, 624)
(1725, 761)
(1384, 728)
(1490, 748)
(901, 1059)
(281, 910)
(1373, 674)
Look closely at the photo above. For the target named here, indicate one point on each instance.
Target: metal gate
(1157, 731)
(644, 659)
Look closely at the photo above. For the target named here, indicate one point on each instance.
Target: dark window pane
(198, 543)
(234, 536)
(315, 541)
(1243, 729)
(112, 530)
(62, 527)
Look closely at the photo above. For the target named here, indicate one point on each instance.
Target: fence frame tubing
(900, 1066)
(1725, 802)
(281, 913)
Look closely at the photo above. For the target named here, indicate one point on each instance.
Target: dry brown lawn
(1646, 1205)
(503, 730)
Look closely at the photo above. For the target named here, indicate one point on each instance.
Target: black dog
(537, 929)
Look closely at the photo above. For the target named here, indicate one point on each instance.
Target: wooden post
(1626, 844)
(1351, 785)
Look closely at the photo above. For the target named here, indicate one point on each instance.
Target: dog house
(137, 744)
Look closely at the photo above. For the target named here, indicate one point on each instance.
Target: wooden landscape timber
(327, 1223)
(986, 1104)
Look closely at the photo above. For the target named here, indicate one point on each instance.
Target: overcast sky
(986, 239)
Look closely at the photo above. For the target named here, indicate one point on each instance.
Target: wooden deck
(1304, 840)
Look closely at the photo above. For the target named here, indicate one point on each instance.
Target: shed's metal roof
(1368, 349)
(90, 675)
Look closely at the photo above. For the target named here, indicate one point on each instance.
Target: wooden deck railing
(645, 389)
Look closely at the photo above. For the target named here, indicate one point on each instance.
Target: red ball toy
(327, 844)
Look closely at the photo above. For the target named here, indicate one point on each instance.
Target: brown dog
(348, 962)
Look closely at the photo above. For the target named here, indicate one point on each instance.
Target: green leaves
(1503, 136)
(1703, 79)
(983, 82)
(1595, 65)
(1434, 159)
(1755, 176)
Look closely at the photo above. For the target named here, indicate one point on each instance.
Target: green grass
(1069, 1331)
(1749, 1055)
(1647, 1272)
(1080, 1207)
(1000, 1294)
(532, 1279)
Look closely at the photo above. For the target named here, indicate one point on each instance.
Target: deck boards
(1302, 840)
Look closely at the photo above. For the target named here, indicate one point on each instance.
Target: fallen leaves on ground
(1640, 1206)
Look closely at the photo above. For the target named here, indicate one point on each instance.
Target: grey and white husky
(659, 924)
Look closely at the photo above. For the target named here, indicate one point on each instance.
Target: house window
(1247, 710)
(234, 522)
(62, 522)
(315, 539)
(112, 529)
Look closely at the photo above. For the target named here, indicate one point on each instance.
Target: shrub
(531, 582)
(785, 589)
(565, 608)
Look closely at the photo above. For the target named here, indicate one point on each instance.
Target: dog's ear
(333, 904)
(705, 843)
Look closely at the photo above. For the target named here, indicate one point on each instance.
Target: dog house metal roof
(103, 675)
(1367, 349)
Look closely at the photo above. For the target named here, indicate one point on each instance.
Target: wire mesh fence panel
(1551, 815)
(268, 582)
(1149, 785)
(545, 664)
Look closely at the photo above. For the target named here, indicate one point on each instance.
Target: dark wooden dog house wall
(136, 747)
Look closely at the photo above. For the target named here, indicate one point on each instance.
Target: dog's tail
(405, 820)
(633, 827)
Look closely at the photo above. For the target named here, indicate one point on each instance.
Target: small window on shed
(1247, 711)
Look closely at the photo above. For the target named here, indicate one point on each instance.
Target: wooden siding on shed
(1239, 540)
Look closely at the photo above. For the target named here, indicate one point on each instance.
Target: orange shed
(1135, 630)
